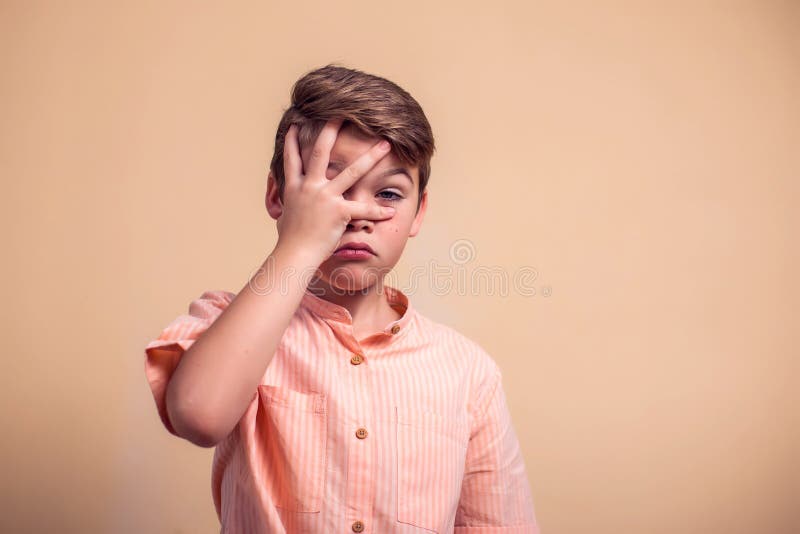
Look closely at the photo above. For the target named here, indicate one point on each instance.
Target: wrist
(300, 257)
(285, 269)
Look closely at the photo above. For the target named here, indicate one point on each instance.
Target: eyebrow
(339, 166)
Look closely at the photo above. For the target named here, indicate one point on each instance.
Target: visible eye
(393, 198)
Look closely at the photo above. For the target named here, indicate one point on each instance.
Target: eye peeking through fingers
(394, 196)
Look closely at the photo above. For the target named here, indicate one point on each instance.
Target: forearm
(217, 376)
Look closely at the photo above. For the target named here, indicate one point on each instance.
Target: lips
(356, 246)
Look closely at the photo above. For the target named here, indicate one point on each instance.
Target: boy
(334, 406)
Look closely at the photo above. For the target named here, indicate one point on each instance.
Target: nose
(361, 224)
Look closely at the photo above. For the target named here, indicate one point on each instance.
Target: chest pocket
(431, 456)
(292, 432)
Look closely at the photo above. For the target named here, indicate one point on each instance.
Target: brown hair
(373, 105)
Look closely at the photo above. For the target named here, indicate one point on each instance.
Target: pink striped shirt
(405, 431)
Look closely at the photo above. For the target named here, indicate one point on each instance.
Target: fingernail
(390, 210)
(384, 145)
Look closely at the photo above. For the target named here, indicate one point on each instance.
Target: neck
(368, 307)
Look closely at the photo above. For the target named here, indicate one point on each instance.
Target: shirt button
(356, 359)
(358, 526)
(395, 329)
(361, 433)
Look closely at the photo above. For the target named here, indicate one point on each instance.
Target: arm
(495, 494)
(216, 378)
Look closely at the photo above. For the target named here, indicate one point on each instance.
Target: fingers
(342, 181)
(321, 151)
(361, 210)
(292, 162)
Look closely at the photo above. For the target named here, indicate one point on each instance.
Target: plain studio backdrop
(637, 161)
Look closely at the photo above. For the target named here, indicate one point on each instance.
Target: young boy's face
(388, 183)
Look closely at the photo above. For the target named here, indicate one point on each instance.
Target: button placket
(361, 454)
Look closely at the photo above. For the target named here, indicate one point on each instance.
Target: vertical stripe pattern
(412, 435)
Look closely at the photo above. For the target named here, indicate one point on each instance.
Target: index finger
(351, 174)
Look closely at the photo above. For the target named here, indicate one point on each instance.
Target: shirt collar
(327, 310)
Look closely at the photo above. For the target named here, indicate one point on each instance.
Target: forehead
(351, 143)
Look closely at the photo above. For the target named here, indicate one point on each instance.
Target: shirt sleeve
(163, 354)
(495, 493)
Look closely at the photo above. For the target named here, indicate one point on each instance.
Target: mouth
(354, 251)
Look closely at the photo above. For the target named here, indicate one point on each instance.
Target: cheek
(400, 224)
(393, 230)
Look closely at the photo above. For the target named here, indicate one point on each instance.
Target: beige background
(641, 157)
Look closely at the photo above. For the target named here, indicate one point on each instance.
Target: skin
(356, 284)
(216, 378)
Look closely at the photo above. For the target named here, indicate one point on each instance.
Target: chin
(349, 277)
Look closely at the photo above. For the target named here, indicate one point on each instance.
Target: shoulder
(474, 354)
(219, 296)
(210, 303)
(482, 375)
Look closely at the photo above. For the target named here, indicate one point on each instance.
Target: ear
(417, 224)
(272, 200)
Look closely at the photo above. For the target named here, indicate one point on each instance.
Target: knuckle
(353, 172)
